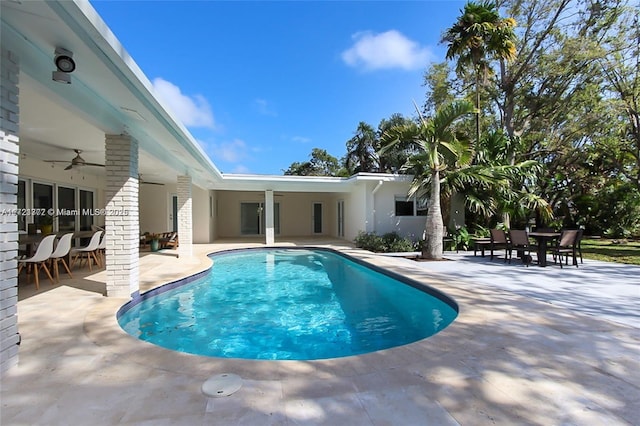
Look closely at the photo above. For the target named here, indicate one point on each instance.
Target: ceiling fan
(76, 161)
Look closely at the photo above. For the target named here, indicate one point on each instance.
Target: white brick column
(268, 217)
(185, 216)
(9, 154)
(122, 218)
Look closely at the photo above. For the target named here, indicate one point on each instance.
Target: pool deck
(530, 346)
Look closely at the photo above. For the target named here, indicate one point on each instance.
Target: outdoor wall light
(65, 64)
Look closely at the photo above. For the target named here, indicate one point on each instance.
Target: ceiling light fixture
(65, 64)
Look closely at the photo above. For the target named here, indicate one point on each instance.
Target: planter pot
(46, 229)
(155, 245)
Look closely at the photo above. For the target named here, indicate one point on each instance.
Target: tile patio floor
(530, 346)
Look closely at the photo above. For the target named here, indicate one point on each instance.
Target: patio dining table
(543, 238)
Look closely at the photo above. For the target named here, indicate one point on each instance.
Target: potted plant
(46, 223)
(154, 241)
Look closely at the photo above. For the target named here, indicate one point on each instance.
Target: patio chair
(519, 241)
(169, 240)
(567, 245)
(88, 251)
(39, 259)
(102, 249)
(62, 250)
(499, 242)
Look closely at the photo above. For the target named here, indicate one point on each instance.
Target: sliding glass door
(252, 218)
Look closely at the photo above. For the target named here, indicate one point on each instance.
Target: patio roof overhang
(239, 182)
(109, 94)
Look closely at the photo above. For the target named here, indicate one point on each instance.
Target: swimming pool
(287, 304)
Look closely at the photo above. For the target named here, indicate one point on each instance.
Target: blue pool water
(287, 304)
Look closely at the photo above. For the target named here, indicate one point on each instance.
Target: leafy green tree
(440, 87)
(361, 150)
(321, 163)
(392, 160)
(479, 36)
(439, 146)
(621, 68)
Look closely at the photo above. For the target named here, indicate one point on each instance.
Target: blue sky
(260, 84)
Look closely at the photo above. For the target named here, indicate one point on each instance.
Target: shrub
(461, 239)
(387, 243)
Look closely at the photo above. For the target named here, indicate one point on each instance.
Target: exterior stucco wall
(154, 208)
(354, 211)
(295, 212)
(200, 211)
(384, 217)
(213, 229)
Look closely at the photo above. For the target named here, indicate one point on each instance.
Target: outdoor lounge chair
(519, 241)
(567, 245)
(498, 242)
(169, 240)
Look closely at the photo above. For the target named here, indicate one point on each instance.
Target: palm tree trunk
(477, 107)
(432, 247)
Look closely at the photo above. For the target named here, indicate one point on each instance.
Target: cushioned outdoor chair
(567, 245)
(499, 242)
(519, 241)
(169, 240)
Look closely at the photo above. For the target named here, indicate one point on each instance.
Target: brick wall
(9, 153)
(185, 216)
(122, 218)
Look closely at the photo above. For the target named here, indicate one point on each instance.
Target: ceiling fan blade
(94, 164)
(151, 183)
(69, 167)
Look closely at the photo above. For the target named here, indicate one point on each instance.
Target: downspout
(373, 202)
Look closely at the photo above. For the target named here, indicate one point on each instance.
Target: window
(404, 206)
(422, 206)
(86, 204)
(66, 204)
(42, 199)
(72, 206)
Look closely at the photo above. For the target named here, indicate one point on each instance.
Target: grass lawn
(612, 250)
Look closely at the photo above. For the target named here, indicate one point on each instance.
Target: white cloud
(193, 111)
(264, 107)
(241, 169)
(301, 139)
(231, 152)
(390, 49)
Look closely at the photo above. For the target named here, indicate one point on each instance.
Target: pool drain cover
(221, 385)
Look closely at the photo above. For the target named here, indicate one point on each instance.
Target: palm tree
(492, 185)
(438, 146)
(361, 154)
(479, 36)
